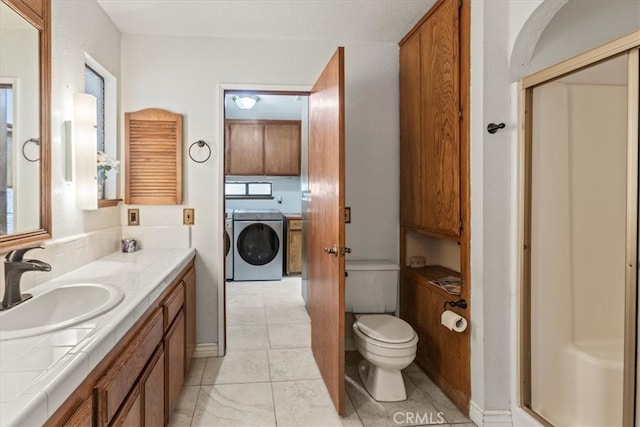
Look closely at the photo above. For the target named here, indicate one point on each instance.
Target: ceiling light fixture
(245, 102)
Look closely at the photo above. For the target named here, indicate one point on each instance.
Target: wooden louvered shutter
(153, 157)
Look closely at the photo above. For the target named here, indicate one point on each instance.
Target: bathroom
(82, 32)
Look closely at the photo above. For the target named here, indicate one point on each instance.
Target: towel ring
(24, 154)
(200, 144)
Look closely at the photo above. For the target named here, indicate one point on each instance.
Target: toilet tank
(371, 286)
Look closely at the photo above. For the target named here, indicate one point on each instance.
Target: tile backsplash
(67, 254)
(70, 253)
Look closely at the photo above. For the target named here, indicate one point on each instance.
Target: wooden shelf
(433, 272)
(107, 203)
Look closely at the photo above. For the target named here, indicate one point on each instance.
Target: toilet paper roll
(453, 321)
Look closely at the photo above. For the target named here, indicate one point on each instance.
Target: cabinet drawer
(118, 380)
(295, 224)
(172, 305)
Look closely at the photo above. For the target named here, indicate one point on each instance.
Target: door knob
(333, 250)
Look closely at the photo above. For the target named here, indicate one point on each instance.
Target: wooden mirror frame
(38, 14)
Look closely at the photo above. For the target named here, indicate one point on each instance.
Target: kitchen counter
(37, 374)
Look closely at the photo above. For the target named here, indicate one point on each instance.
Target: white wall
(183, 74)
(78, 27)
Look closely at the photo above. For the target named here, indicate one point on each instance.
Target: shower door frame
(629, 45)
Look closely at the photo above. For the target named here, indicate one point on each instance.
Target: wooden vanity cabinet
(262, 147)
(121, 378)
(139, 381)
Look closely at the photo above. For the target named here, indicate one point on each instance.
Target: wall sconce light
(85, 139)
(245, 102)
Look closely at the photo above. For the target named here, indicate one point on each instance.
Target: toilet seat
(386, 331)
(385, 328)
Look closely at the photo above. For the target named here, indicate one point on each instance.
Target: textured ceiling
(333, 20)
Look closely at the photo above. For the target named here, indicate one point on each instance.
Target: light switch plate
(133, 216)
(347, 215)
(188, 216)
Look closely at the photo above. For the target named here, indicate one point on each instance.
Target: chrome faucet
(14, 267)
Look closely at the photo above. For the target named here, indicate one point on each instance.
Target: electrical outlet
(188, 216)
(133, 216)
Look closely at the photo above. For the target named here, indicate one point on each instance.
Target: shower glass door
(580, 265)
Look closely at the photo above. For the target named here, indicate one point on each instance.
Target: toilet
(387, 343)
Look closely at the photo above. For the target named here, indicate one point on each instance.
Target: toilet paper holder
(461, 303)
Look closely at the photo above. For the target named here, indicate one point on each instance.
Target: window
(94, 85)
(248, 190)
(103, 85)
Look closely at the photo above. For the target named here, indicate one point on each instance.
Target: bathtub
(592, 386)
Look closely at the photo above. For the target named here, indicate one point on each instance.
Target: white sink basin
(58, 308)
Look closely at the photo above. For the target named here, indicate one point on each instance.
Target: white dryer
(258, 244)
(228, 243)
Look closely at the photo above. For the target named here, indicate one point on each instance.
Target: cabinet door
(440, 71)
(174, 363)
(190, 317)
(131, 413)
(294, 246)
(245, 151)
(282, 148)
(153, 391)
(410, 135)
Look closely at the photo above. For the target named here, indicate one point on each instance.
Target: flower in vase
(105, 164)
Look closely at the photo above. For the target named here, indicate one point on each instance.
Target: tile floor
(269, 377)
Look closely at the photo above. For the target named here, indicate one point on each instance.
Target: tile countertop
(38, 373)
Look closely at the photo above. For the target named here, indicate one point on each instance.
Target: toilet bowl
(388, 345)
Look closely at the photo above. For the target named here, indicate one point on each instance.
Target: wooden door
(440, 69)
(174, 363)
(326, 225)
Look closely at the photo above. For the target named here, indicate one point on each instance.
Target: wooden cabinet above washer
(262, 147)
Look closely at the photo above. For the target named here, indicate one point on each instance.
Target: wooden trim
(43, 25)
(630, 374)
(600, 53)
(30, 14)
(265, 92)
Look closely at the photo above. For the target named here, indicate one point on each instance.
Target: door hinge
(460, 225)
(459, 4)
(460, 114)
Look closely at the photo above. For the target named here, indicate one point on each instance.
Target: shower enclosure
(580, 211)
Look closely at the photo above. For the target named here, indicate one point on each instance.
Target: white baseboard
(206, 350)
(489, 418)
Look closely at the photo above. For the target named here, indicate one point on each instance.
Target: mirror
(24, 123)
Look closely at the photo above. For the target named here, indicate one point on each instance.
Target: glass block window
(94, 85)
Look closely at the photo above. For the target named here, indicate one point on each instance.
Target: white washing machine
(258, 244)
(228, 242)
